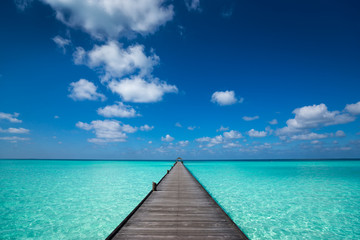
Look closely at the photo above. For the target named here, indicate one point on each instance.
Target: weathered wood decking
(179, 209)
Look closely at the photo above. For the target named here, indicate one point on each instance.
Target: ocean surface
(287, 200)
(71, 199)
(268, 200)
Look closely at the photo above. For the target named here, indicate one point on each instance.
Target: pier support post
(167, 171)
(153, 186)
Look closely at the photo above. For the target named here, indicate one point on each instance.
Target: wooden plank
(180, 208)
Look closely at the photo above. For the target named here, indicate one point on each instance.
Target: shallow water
(71, 199)
(287, 200)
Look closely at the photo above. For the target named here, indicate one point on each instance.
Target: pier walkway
(180, 208)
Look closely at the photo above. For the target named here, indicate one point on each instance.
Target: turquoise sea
(268, 199)
(287, 199)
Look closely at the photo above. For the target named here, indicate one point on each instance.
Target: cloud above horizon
(107, 130)
(246, 118)
(84, 90)
(114, 61)
(314, 116)
(15, 130)
(224, 98)
(110, 19)
(118, 109)
(10, 117)
(138, 90)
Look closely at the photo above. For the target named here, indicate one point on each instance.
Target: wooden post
(167, 172)
(153, 186)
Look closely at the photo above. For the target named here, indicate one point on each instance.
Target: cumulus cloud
(61, 42)
(10, 117)
(146, 128)
(254, 133)
(340, 133)
(138, 90)
(107, 130)
(193, 5)
(273, 122)
(225, 98)
(84, 90)
(353, 108)
(210, 142)
(314, 116)
(232, 134)
(113, 18)
(167, 138)
(246, 118)
(118, 109)
(309, 136)
(178, 124)
(115, 61)
(15, 130)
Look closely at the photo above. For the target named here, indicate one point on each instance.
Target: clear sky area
(155, 79)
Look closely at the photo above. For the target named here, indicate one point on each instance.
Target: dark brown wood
(180, 208)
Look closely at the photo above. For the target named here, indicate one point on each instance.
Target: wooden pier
(177, 208)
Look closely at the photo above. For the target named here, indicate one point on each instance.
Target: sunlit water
(287, 200)
(71, 199)
(268, 200)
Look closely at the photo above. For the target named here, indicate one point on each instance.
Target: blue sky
(197, 79)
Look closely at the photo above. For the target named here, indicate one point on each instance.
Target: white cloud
(84, 90)
(14, 139)
(113, 18)
(146, 128)
(273, 122)
(222, 129)
(340, 133)
(191, 128)
(61, 42)
(149, 142)
(314, 116)
(119, 109)
(211, 141)
(56, 117)
(128, 129)
(15, 130)
(80, 56)
(10, 117)
(115, 61)
(245, 118)
(107, 130)
(353, 108)
(167, 138)
(233, 134)
(224, 98)
(254, 133)
(315, 142)
(183, 143)
(138, 90)
(309, 136)
(178, 124)
(193, 5)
